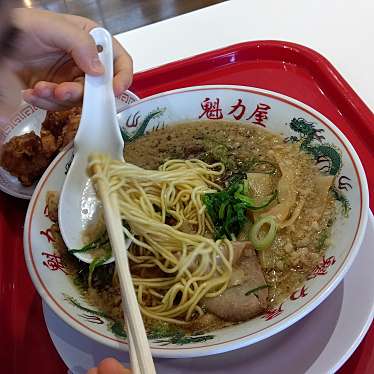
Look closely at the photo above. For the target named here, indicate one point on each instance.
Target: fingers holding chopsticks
(109, 366)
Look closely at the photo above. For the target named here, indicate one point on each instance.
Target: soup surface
(272, 205)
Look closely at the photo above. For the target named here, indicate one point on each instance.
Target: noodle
(193, 266)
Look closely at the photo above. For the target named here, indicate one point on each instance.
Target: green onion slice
(266, 240)
(102, 241)
(253, 290)
(98, 261)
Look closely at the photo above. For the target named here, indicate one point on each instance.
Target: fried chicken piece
(24, 158)
(50, 143)
(71, 127)
(59, 129)
(27, 156)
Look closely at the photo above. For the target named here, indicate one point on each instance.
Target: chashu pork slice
(247, 294)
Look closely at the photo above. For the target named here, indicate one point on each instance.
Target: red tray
(296, 71)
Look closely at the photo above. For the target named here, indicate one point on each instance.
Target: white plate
(29, 118)
(319, 343)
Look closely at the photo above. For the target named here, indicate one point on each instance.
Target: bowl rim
(245, 340)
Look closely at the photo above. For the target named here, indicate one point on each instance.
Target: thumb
(77, 41)
(111, 366)
(84, 53)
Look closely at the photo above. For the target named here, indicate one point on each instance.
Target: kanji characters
(299, 293)
(321, 268)
(54, 262)
(272, 313)
(260, 114)
(48, 234)
(211, 109)
(238, 108)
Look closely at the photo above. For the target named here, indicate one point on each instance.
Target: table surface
(341, 30)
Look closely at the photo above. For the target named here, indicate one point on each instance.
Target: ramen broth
(264, 158)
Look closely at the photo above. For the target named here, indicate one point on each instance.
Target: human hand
(54, 51)
(109, 366)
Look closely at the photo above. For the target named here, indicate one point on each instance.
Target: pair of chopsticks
(140, 353)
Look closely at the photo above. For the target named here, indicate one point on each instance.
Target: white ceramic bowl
(260, 108)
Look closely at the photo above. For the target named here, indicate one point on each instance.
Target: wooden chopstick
(135, 369)
(140, 353)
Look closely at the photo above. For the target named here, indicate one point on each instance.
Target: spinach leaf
(227, 209)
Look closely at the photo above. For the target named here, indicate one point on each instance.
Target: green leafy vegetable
(102, 241)
(163, 330)
(253, 290)
(117, 329)
(181, 339)
(263, 240)
(251, 202)
(227, 209)
(98, 261)
(227, 214)
(168, 334)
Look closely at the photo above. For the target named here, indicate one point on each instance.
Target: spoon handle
(98, 132)
(98, 125)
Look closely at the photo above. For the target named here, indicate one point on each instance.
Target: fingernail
(97, 65)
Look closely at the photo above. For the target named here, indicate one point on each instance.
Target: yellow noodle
(193, 265)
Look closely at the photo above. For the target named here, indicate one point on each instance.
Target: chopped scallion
(102, 241)
(96, 262)
(263, 241)
(253, 290)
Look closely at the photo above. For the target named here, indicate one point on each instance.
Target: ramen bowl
(252, 107)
